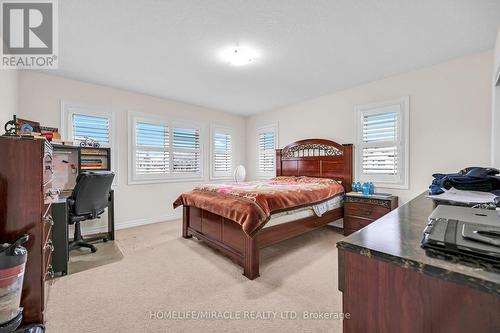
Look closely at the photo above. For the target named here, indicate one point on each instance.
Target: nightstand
(361, 210)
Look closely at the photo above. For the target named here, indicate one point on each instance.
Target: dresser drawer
(47, 258)
(365, 210)
(47, 223)
(47, 233)
(356, 223)
(47, 165)
(51, 195)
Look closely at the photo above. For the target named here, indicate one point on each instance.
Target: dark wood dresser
(25, 205)
(391, 284)
(360, 210)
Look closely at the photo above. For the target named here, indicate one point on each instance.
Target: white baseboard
(133, 223)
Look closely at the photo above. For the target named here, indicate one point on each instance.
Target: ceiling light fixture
(239, 55)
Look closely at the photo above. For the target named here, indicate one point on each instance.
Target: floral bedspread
(251, 203)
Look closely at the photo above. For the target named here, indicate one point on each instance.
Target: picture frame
(34, 125)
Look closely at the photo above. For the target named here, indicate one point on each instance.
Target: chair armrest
(70, 202)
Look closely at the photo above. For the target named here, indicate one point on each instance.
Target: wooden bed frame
(311, 157)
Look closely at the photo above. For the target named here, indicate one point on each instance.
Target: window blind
(222, 159)
(266, 152)
(380, 147)
(152, 155)
(186, 150)
(97, 128)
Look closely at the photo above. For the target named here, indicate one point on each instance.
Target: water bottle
(366, 189)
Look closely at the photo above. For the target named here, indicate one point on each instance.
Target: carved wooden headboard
(316, 158)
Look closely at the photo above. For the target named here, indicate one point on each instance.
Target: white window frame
(214, 175)
(262, 129)
(66, 126)
(171, 177)
(401, 180)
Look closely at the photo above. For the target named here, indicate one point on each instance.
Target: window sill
(221, 178)
(161, 181)
(391, 186)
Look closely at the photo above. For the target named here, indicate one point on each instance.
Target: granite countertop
(396, 237)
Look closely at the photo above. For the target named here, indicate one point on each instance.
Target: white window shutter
(222, 154)
(383, 143)
(186, 150)
(380, 155)
(95, 127)
(267, 153)
(152, 155)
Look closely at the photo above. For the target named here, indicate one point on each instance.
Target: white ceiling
(308, 47)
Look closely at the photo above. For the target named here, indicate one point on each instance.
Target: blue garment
(469, 179)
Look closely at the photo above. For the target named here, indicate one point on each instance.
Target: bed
(239, 228)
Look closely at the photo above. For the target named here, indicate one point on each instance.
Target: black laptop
(464, 231)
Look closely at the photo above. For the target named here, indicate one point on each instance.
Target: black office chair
(87, 202)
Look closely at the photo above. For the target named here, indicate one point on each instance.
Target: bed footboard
(224, 235)
(228, 237)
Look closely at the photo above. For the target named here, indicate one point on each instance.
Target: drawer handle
(50, 272)
(49, 219)
(49, 167)
(53, 193)
(50, 245)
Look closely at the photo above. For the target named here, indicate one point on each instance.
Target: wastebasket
(12, 263)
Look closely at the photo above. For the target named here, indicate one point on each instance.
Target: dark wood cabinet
(360, 211)
(26, 196)
(389, 283)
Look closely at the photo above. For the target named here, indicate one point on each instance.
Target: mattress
(251, 204)
(304, 212)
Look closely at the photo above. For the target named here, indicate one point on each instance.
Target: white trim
(403, 143)
(265, 128)
(102, 111)
(227, 130)
(133, 179)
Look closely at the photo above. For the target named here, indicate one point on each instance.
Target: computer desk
(60, 232)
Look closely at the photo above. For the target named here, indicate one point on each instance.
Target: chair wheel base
(80, 243)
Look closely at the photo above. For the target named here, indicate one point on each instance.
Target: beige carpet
(162, 272)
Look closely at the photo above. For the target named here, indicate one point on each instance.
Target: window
(266, 151)
(186, 155)
(90, 126)
(382, 144)
(79, 121)
(152, 156)
(221, 153)
(163, 151)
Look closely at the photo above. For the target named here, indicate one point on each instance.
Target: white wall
(40, 97)
(495, 116)
(450, 113)
(8, 96)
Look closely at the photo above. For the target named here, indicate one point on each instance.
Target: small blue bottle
(358, 187)
(354, 187)
(372, 188)
(366, 189)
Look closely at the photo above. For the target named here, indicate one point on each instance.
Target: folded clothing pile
(468, 179)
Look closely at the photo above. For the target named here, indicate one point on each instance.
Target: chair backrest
(91, 192)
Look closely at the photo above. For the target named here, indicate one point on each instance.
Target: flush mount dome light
(239, 56)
